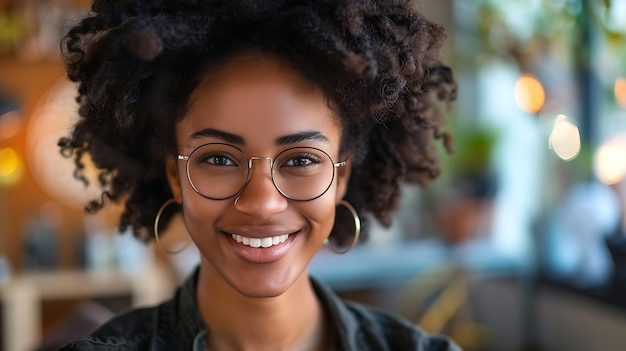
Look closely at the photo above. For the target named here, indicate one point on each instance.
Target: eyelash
(211, 157)
(309, 157)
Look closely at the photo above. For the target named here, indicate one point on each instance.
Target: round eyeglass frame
(186, 158)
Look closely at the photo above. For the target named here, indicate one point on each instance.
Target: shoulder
(364, 328)
(391, 332)
(132, 330)
(172, 325)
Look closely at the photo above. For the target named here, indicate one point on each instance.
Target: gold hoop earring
(156, 229)
(357, 230)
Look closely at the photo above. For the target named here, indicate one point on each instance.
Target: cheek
(321, 213)
(200, 214)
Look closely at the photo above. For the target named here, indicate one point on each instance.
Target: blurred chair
(438, 301)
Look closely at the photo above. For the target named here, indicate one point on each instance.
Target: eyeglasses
(219, 171)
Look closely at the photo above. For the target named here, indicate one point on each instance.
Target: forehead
(259, 68)
(256, 96)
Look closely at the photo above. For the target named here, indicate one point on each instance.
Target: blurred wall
(28, 82)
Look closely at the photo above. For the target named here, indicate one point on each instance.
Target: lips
(261, 244)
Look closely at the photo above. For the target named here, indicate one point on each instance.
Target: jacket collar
(345, 326)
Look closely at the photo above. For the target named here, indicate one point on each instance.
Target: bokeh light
(529, 94)
(610, 160)
(620, 91)
(565, 138)
(52, 119)
(10, 167)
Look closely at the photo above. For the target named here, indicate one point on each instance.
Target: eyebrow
(237, 139)
(215, 133)
(302, 136)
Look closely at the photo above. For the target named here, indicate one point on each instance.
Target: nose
(259, 197)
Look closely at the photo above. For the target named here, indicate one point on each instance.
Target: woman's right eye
(221, 161)
(217, 160)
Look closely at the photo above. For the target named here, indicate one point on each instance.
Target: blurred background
(520, 245)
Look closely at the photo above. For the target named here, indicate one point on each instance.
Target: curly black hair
(138, 61)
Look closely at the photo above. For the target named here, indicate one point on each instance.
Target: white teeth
(266, 242)
(255, 242)
(260, 242)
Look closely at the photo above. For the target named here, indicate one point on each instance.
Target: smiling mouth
(261, 242)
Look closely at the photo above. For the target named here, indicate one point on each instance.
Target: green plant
(469, 169)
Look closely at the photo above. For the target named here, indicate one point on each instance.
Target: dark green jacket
(177, 325)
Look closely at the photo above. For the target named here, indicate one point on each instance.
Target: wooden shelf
(22, 296)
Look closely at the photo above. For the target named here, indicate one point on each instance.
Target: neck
(293, 320)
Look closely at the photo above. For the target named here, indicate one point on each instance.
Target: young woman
(257, 120)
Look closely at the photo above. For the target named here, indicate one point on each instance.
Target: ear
(173, 178)
(343, 177)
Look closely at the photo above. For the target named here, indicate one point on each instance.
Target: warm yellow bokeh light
(529, 94)
(610, 160)
(620, 91)
(565, 138)
(10, 167)
(8, 162)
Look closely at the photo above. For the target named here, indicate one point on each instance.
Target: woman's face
(262, 107)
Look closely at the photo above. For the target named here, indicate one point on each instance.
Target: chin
(262, 293)
(262, 290)
(263, 286)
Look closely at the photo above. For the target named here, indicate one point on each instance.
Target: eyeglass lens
(219, 171)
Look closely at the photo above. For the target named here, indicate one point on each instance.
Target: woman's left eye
(299, 162)
(302, 161)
